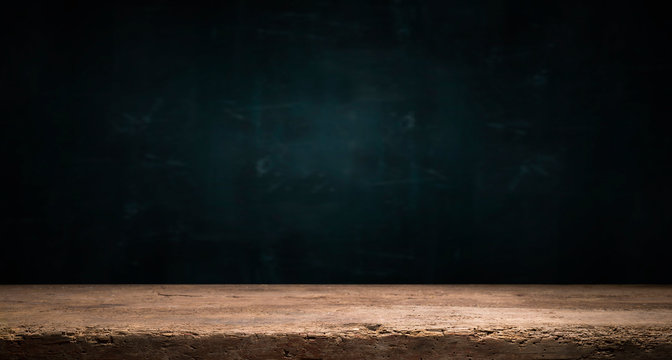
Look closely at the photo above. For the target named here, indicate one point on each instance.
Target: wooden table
(302, 322)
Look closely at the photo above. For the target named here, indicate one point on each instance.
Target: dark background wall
(335, 141)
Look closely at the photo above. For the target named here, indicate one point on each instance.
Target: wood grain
(335, 322)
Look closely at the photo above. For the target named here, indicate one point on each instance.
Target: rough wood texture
(335, 322)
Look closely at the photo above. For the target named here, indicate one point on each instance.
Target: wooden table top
(574, 317)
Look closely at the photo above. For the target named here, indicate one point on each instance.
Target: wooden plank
(335, 322)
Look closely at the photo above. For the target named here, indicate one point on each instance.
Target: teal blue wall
(335, 141)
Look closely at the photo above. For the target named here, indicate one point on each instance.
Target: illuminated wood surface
(335, 322)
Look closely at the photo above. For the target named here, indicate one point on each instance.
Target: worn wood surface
(335, 322)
